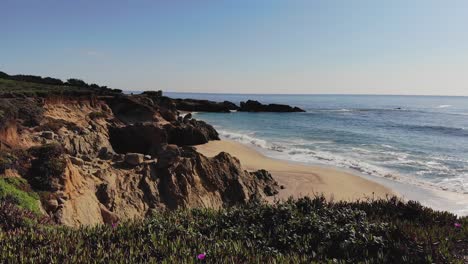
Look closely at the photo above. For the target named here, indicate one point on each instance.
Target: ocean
(417, 140)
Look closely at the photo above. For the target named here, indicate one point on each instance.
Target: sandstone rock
(167, 155)
(134, 158)
(52, 205)
(147, 157)
(108, 216)
(76, 161)
(255, 106)
(86, 158)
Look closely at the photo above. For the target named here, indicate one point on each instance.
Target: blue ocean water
(421, 140)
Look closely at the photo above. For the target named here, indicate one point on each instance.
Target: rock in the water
(134, 158)
(194, 105)
(255, 106)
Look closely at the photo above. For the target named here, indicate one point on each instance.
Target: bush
(14, 189)
(300, 231)
(14, 218)
(47, 167)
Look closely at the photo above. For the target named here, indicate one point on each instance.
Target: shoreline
(301, 179)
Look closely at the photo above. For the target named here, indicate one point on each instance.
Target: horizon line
(354, 94)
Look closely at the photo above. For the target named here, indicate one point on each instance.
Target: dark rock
(52, 205)
(48, 134)
(140, 138)
(255, 106)
(187, 117)
(194, 105)
(105, 154)
(193, 132)
(76, 161)
(134, 158)
(167, 155)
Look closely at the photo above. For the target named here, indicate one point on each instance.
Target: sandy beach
(300, 180)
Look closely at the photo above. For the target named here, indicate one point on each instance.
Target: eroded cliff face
(126, 156)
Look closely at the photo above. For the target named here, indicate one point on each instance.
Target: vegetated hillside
(301, 231)
(30, 85)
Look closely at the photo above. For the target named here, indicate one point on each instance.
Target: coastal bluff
(100, 156)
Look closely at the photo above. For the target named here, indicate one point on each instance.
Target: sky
(243, 46)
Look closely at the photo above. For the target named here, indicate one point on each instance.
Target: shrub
(47, 167)
(296, 231)
(14, 189)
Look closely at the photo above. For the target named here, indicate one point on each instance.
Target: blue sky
(243, 46)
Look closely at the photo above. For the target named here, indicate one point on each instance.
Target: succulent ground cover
(296, 231)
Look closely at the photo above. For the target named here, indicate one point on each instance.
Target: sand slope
(300, 180)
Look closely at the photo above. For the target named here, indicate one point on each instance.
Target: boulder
(255, 106)
(134, 158)
(192, 132)
(52, 205)
(105, 153)
(48, 134)
(167, 155)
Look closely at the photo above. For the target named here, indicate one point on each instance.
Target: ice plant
(457, 225)
(201, 256)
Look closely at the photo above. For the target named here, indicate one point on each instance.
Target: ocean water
(421, 140)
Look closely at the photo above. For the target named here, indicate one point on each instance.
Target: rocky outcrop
(191, 132)
(143, 138)
(255, 106)
(194, 105)
(180, 178)
(126, 156)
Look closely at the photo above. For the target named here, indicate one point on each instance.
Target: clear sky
(243, 46)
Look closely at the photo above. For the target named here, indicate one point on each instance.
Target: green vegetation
(29, 85)
(301, 231)
(47, 166)
(15, 189)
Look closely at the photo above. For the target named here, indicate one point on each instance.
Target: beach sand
(300, 180)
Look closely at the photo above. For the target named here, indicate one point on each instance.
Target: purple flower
(201, 256)
(114, 225)
(457, 225)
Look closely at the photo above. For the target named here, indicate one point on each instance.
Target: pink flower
(457, 225)
(201, 256)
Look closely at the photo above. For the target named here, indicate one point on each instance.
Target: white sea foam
(444, 106)
(356, 161)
